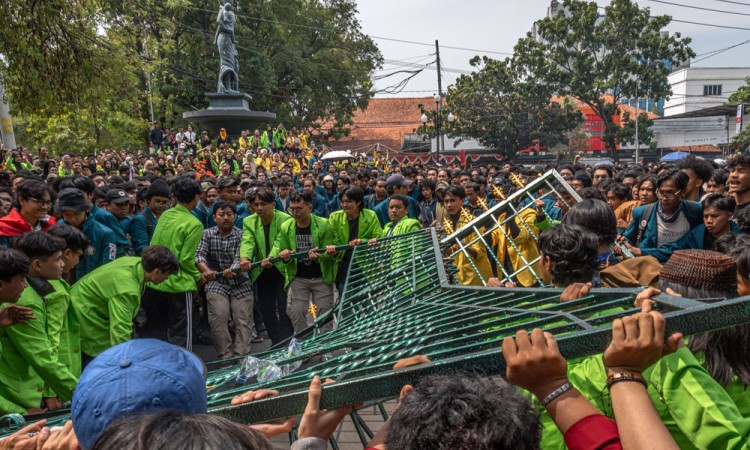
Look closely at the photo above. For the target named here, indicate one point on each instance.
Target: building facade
(697, 88)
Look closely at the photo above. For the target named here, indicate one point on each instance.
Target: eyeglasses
(42, 203)
(667, 195)
(295, 210)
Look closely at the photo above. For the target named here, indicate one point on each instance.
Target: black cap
(72, 199)
(117, 196)
(225, 182)
(158, 188)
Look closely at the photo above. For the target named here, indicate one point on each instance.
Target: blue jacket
(693, 212)
(203, 213)
(111, 222)
(280, 207)
(320, 206)
(695, 238)
(239, 215)
(382, 211)
(142, 229)
(102, 246)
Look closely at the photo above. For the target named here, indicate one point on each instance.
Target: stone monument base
(230, 111)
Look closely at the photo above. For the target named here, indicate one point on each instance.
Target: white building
(696, 88)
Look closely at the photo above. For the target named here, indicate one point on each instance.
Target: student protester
(397, 184)
(717, 184)
(699, 171)
(231, 293)
(516, 247)
(282, 195)
(380, 194)
(169, 305)
(143, 224)
(30, 211)
(208, 196)
(102, 245)
(259, 233)
(351, 225)
(28, 364)
(568, 255)
(398, 208)
(429, 203)
(107, 299)
(457, 218)
(63, 326)
(739, 181)
(655, 225)
(114, 215)
(309, 280)
(320, 206)
(718, 212)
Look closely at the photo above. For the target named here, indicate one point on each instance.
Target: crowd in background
(249, 237)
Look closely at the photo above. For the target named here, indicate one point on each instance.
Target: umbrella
(674, 156)
(337, 155)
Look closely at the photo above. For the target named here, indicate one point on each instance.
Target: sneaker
(256, 340)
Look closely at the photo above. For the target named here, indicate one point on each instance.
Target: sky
(496, 25)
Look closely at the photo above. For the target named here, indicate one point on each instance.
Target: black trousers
(272, 304)
(169, 317)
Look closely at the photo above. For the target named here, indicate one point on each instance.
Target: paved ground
(346, 436)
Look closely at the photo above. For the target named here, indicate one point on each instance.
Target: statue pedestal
(230, 111)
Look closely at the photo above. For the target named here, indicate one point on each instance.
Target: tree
(742, 139)
(626, 134)
(507, 108)
(602, 60)
(77, 72)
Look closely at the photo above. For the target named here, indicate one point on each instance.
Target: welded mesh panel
(398, 303)
(508, 228)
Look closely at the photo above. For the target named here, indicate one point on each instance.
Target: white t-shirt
(670, 232)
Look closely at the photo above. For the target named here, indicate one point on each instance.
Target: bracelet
(556, 393)
(625, 376)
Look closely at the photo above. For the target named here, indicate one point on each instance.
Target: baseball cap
(328, 178)
(138, 376)
(225, 182)
(206, 186)
(397, 180)
(117, 196)
(72, 199)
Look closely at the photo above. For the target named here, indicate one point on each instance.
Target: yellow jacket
(466, 274)
(525, 243)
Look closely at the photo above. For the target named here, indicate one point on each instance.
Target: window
(711, 89)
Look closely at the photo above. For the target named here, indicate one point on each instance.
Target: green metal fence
(398, 303)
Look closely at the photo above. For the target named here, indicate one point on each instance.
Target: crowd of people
(250, 238)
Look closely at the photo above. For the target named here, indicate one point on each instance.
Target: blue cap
(139, 376)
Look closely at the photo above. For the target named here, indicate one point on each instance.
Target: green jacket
(27, 362)
(107, 301)
(405, 225)
(253, 244)
(180, 231)
(63, 327)
(322, 236)
(369, 227)
(696, 410)
(279, 137)
(264, 140)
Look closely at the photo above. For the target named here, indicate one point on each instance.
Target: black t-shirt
(306, 268)
(739, 208)
(346, 260)
(267, 233)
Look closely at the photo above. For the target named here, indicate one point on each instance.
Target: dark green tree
(602, 60)
(626, 133)
(505, 107)
(742, 139)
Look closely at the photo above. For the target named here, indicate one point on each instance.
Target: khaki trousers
(301, 290)
(218, 319)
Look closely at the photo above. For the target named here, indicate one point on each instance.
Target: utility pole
(439, 138)
(148, 78)
(6, 124)
(637, 144)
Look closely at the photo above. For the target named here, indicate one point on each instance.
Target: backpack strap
(647, 211)
(149, 223)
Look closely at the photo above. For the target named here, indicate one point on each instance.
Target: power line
(710, 25)
(700, 8)
(733, 2)
(720, 51)
(382, 38)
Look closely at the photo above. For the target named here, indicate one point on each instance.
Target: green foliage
(505, 107)
(583, 55)
(626, 134)
(77, 72)
(742, 95)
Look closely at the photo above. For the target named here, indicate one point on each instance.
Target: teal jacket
(405, 225)
(253, 246)
(107, 301)
(381, 210)
(322, 236)
(180, 231)
(648, 244)
(28, 363)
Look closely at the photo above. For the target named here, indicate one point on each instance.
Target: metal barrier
(398, 303)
